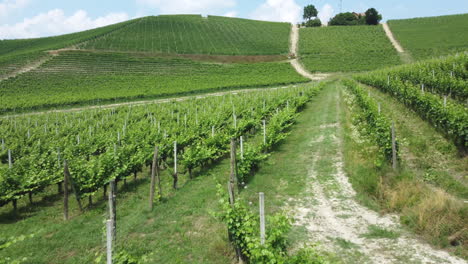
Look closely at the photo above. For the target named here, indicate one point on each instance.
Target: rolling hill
(15, 53)
(194, 34)
(76, 77)
(430, 37)
(145, 58)
(342, 49)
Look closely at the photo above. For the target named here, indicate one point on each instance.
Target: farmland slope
(342, 49)
(77, 77)
(18, 53)
(432, 36)
(193, 34)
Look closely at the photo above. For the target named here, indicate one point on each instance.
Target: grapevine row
(445, 77)
(106, 144)
(449, 117)
(378, 126)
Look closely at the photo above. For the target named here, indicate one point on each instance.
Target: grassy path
(327, 212)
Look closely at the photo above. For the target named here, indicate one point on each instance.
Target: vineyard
(437, 90)
(417, 35)
(193, 34)
(114, 143)
(85, 77)
(193, 139)
(19, 52)
(322, 49)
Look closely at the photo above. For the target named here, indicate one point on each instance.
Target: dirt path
(154, 101)
(332, 216)
(293, 48)
(392, 39)
(28, 67)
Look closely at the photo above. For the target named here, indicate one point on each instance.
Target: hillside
(16, 53)
(76, 77)
(429, 37)
(145, 58)
(342, 49)
(193, 34)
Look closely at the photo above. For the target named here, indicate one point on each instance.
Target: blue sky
(38, 18)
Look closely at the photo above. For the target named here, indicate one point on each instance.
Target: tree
(373, 17)
(346, 19)
(309, 12)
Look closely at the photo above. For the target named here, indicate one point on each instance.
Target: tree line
(370, 17)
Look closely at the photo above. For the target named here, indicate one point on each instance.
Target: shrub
(313, 23)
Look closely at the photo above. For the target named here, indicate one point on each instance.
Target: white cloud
(278, 10)
(55, 22)
(325, 13)
(8, 6)
(188, 6)
(230, 14)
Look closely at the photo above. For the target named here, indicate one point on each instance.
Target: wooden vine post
(264, 132)
(175, 166)
(233, 174)
(232, 196)
(10, 166)
(242, 147)
(66, 176)
(112, 208)
(66, 172)
(109, 241)
(154, 171)
(10, 160)
(262, 217)
(394, 154)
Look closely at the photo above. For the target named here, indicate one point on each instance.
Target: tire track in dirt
(293, 48)
(392, 39)
(28, 67)
(332, 216)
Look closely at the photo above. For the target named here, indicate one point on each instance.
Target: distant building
(359, 15)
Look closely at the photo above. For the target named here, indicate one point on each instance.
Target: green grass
(375, 231)
(193, 34)
(432, 36)
(342, 49)
(81, 77)
(171, 233)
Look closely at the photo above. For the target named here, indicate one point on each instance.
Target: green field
(83, 77)
(15, 53)
(193, 34)
(343, 49)
(431, 37)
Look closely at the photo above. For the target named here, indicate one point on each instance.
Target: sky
(40, 18)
